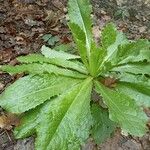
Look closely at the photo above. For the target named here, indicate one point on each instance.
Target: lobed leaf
(64, 118)
(35, 58)
(37, 68)
(124, 111)
(31, 91)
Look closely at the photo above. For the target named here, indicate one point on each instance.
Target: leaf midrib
(38, 91)
(69, 107)
(85, 30)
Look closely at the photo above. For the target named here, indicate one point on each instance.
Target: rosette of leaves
(54, 96)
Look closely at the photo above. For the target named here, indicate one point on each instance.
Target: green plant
(55, 98)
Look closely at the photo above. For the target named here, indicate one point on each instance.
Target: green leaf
(35, 58)
(80, 39)
(64, 118)
(136, 87)
(30, 91)
(103, 127)
(124, 111)
(111, 39)
(109, 35)
(140, 93)
(49, 53)
(79, 14)
(131, 78)
(29, 120)
(96, 58)
(136, 68)
(133, 52)
(37, 68)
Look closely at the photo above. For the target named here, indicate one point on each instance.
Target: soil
(24, 22)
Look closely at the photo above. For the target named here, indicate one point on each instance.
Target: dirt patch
(24, 22)
(130, 16)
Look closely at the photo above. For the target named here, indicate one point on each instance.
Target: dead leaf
(2, 30)
(96, 33)
(65, 39)
(58, 4)
(109, 82)
(142, 29)
(52, 18)
(7, 121)
(6, 55)
(13, 62)
(1, 86)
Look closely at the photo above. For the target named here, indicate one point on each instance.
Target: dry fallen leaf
(1, 86)
(96, 33)
(7, 121)
(59, 5)
(109, 82)
(142, 29)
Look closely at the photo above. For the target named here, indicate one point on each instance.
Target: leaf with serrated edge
(35, 58)
(96, 58)
(30, 91)
(50, 53)
(103, 127)
(111, 39)
(132, 52)
(80, 39)
(79, 13)
(37, 68)
(131, 78)
(140, 93)
(135, 68)
(137, 87)
(62, 123)
(123, 110)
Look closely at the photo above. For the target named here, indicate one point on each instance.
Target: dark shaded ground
(22, 24)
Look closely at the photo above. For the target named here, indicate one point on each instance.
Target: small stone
(103, 12)
(142, 29)
(1, 86)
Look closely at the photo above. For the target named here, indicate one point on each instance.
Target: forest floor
(22, 26)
